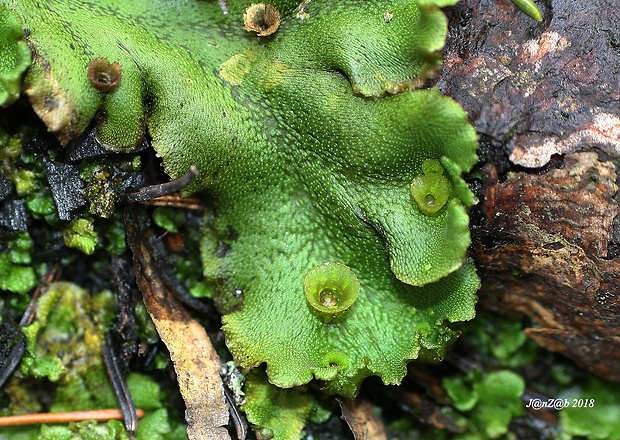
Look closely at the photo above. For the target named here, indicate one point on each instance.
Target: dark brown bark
(545, 99)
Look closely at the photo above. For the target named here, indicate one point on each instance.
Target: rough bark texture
(545, 98)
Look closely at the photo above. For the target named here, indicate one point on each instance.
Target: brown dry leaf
(196, 363)
(363, 422)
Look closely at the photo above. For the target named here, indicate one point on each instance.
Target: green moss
(67, 328)
(145, 391)
(460, 393)
(15, 278)
(64, 346)
(491, 400)
(41, 365)
(320, 412)
(19, 433)
(155, 426)
(24, 181)
(56, 433)
(146, 328)
(168, 219)
(592, 410)
(200, 289)
(81, 234)
(15, 55)
(499, 400)
(114, 239)
(17, 275)
(41, 204)
(186, 255)
(19, 249)
(87, 430)
(99, 192)
(105, 182)
(86, 389)
(501, 339)
(275, 413)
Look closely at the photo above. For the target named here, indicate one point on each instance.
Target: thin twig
(120, 386)
(29, 313)
(125, 323)
(177, 201)
(154, 191)
(362, 421)
(241, 425)
(13, 359)
(100, 415)
(166, 271)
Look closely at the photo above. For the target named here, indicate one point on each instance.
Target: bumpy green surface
(17, 276)
(15, 56)
(307, 143)
(66, 317)
(280, 414)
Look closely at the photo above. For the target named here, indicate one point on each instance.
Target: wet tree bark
(545, 100)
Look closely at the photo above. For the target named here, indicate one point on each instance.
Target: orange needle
(100, 415)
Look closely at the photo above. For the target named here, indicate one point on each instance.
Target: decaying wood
(427, 403)
(195, 360)
(546, 102)
(363, 422)
(554, 266)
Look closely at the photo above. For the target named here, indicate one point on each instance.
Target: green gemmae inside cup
(431, 190)
(331, 289)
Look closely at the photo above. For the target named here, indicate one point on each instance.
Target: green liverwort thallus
(313, 154)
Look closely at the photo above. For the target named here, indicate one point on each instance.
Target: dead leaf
(363, 422)
(196, 363)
